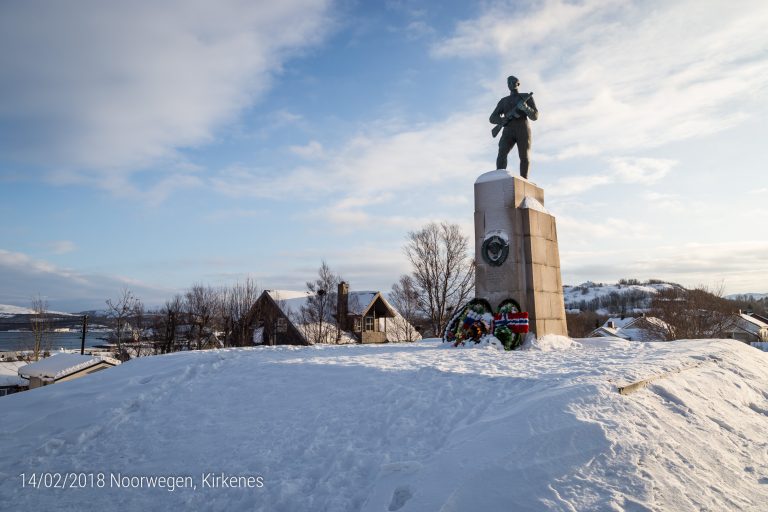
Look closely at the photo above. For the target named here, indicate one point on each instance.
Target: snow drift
(414, 427)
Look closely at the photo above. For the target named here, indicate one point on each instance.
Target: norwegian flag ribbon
(517, 322)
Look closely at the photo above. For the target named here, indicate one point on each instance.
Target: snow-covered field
(405, 427)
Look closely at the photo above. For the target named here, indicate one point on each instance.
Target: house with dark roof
(358, 317)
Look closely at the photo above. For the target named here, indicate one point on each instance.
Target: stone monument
(518, 288)
(516, 250)
(515, 236)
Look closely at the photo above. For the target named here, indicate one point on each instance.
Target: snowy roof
(287, 294)
(619, 322)
(290, 301)
(358, 302)
(749, 323)
(754, 320)
(636, 329)
(9, 373)
(60, 365)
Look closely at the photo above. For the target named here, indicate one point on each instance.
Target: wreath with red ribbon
(476, 320)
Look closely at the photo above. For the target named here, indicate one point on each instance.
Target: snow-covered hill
(412, 427)
(607, 299)
(8, 310)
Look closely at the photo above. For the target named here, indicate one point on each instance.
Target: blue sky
(152, 145)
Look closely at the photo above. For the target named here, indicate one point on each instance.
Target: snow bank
(548, 343)
(407, 427)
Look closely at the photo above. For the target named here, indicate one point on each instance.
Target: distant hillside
(8, 310)
(628, 296)
(748, 297)
(17, 317)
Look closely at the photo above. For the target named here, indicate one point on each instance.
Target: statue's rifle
(514, 114)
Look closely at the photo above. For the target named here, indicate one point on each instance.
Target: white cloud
(158, 192)
(739, 265)
(645, 171)
(641, 170)
(108, 86)
(313, 150)
(614, 76)
(23, 277)
(422, 162)
(62, 246)
(669, 202)
(612, 228)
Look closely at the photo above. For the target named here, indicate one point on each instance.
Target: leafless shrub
(405, 298)
(442, 270)
(698, 313)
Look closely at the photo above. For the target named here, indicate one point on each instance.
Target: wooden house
(364, 314)
(351, 317)
(746, 328)
(277, 313)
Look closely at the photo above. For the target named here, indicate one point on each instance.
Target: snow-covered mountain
(8, 310)
(408, 427)
(610, 299)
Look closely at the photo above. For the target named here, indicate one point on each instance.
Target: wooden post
(82, 339)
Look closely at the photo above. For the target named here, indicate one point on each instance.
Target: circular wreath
(470, 323)
(510, 340)
(474, 320)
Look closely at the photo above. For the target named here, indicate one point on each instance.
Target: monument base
(516, 251)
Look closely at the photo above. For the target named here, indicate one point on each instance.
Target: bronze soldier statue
(512, 114)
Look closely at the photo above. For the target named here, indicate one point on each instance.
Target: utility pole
(85, 329)
(321, 293)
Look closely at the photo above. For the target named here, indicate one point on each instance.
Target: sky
(152, 145)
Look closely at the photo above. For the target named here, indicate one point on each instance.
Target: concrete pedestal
(511, 209)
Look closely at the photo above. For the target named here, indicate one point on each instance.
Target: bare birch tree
(405, 298)
(239, 312)
(120, 311)
(442, 270)
(201, 304)
(40, 323)
(702, 312)
(167, 322)
(317, 315)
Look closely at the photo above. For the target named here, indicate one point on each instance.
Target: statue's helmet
(513, 82)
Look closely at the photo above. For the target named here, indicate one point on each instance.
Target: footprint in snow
(400, 497)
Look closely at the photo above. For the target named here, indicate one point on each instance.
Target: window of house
(369, 323)
(357, 325)
(282, 325)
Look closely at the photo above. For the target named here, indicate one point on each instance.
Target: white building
(62, 366)
(643, 328)
(746, 328)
